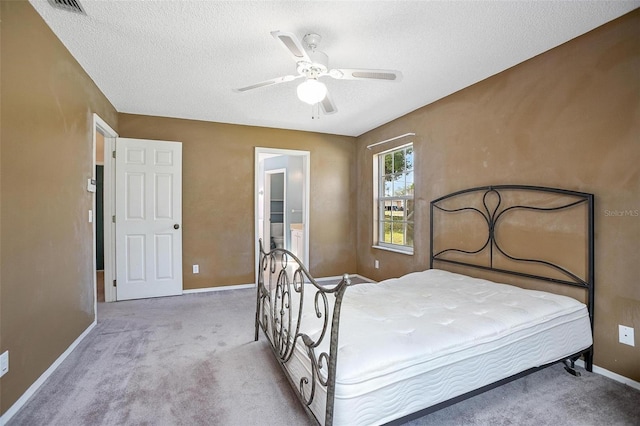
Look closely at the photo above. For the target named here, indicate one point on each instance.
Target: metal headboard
(491, 248)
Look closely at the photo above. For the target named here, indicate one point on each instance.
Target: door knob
(176, 226)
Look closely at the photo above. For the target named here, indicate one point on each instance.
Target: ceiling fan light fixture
(312, 91)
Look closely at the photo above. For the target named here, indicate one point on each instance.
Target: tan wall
(99, 149)
(218, 195)
(568, 118)
(46, 264)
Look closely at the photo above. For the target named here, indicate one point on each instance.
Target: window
(394, 202)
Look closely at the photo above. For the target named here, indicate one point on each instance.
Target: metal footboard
(280, 298)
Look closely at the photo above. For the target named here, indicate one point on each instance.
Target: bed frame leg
(257, 323)
(570, 366)
(256, 319)
(588, 360)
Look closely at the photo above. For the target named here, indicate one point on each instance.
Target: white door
(148, 218)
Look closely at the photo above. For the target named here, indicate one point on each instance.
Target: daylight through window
(395, 204)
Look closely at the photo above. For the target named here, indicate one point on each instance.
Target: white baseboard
(242, 286)
(336, 277)
(220, 288)
(36, 385)
(339, 277)
(610, 374)
(363, 278)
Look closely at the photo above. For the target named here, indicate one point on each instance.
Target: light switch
(91, 185)
(90, 216)
(4, 363)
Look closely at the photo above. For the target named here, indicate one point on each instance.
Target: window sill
(394, 250)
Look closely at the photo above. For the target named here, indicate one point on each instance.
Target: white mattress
(408, 343)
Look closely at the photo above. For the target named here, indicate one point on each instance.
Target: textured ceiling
(183, 58)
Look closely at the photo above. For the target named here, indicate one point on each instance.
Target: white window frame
(379, 198)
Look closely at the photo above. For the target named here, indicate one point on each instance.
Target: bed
(387, 352)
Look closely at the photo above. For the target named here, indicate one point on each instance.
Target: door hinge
(113, 218)
(114, 283)
(113, 154)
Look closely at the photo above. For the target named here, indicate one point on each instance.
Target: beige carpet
(191, 360)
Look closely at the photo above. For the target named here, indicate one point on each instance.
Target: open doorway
(274, 214)
(103, 142)
(282, 200)
(99, 215)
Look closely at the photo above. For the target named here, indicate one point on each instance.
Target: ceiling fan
(312, 64)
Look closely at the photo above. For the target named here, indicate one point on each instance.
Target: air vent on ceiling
(68, 5)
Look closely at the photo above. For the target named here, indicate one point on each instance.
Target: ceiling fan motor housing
(318, 66)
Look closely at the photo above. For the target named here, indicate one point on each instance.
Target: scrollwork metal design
(492, 215)
(279, 313)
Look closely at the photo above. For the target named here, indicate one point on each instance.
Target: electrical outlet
(376, 264)
(196, 269)
(626, 335)
(4, 363)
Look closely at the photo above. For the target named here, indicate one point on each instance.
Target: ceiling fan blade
(292, 44)
(365, 74)
(265, 83)
(327, 105)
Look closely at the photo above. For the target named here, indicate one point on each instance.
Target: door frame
(110, 135)
(306, 164)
